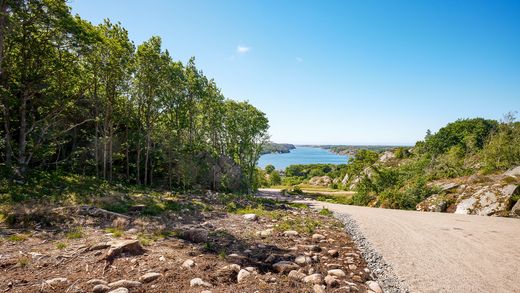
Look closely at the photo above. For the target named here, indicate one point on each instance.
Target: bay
(302, 155)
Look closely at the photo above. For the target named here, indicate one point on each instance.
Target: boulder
(149, 277)
(337, 273)
(331, 281)
(242, 275)
(195, 235)
(188, 264)
(320, 181)
(290, 233)
(100, 288)
(196, 282)
(285, 267)
(515, 211)
(374, 286)
(313, 279)
(132, 247)
(513, 172)
(294, 274)
(486, 200)
(344, 181)
(250, 217)
(386, 156)
(434, 203)
(303, 260)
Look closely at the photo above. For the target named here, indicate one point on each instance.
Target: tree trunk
(3, 25)
(22, 138)
(127, 155)
(138, 162)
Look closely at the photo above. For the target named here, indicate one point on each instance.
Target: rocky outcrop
(486, 200)
(386, 156)
(514, 172)
(435, 203)
(320, 181)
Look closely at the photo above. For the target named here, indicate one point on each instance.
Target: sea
(302, 155)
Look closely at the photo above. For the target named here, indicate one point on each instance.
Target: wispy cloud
(243, 49)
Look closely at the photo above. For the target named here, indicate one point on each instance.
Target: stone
(56, 281)
(242, 275)
(199, 282)
(486, 200)
(303, 260)
(100, 288)
(294, 274)
(314, 279)
(337, 273)
(195, 235)
(250, 217)
(386, 156)
(125, 283)
(97, 282)
(513, 172)
(162, 258)
(317, 237)
(318, 288)
(290, 233)
(285, 267)
(357, 278)
(188, 264)
(434, 203)
(331, 281)
(270, 259)
(333, 253)
(132, 247)
(515, 211)
(231, 267)
(312, 247)
(264, 233)
(320, 181)
(352, 267)
(374, 286)
(149, 277)
(119, 290)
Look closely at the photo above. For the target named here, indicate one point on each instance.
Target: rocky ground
(212, 243)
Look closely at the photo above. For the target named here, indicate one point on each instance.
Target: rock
(100, 288)
(264, 233)
(270, 259)
(250, 217)
(445, 186)
(132, 247)
(344, 181)
(290, 233)
(199, 282)
(195, 235)
(352, 267)
(294, 274)
(162, 258)
(242, 275)
(515, 211)
(97, 282)
(317, 237)
(119, 290)
(98, 246)
(205, 291)
(331, 281)
(313, 247)
(124, 283)
(513, 172)
(374, 286)
(149, 277)
(486, 200)
(333, 253)
(231, 267)
(303, 260)
(386, 156)
(320, 181)
(357, 278)
(56, 281)
(337, 273)
(285, 267)
(434, 203)
(318, 288)
(188, 264)
(314, 279)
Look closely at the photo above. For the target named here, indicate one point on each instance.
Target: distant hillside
(351, 150)
(272, 147)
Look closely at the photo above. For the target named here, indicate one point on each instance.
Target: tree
(274, 178)
(269, 168)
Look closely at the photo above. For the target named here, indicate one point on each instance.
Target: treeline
(272, 147)
(81, 98)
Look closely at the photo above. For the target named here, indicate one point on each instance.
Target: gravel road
(439, 252)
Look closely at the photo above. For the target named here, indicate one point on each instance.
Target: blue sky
(342, 72)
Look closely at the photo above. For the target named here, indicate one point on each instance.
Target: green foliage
(17, 237)
(269, 168)
(74, 233)
(326, 212)
(61, 245)
(502, 151)
(274, 178)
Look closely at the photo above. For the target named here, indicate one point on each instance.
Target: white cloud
(243, 49)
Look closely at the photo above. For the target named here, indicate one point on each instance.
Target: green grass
(261, 212)
(326, 212)
(17, 237)
(61, 245)
(75, 233)
(148, 239)
(300, 224)
(116, 232)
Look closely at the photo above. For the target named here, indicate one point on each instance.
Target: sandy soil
(438, 252)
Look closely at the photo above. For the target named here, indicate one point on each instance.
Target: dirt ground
(63, 249)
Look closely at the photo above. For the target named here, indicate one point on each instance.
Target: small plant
(116, 232)
(61, 245)
(23, 261)
(17, 237)
(222, 254)
(326, 212)
(75, 233)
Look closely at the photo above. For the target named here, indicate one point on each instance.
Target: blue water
(302, 155)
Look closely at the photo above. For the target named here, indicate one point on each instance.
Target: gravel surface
(381, 271)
